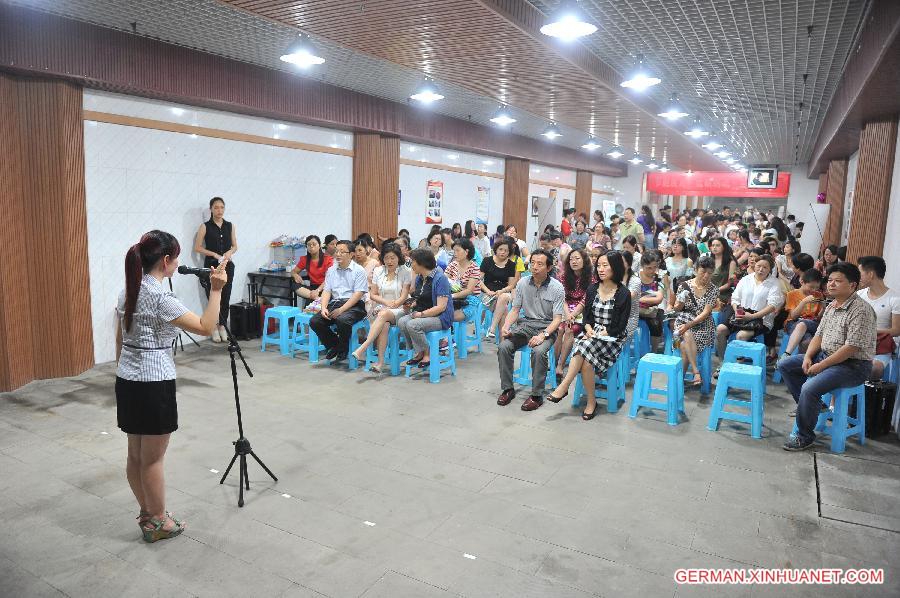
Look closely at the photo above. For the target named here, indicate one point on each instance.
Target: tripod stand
(241, 445)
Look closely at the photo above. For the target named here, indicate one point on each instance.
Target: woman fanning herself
(149, 319)
(388, 291)
(694, 325)
(608, 305)
(576, 278)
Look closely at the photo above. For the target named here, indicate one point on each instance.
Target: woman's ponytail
(140, 259)
(134, 272)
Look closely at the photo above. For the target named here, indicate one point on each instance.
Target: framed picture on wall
(567, 203)
(534, 206)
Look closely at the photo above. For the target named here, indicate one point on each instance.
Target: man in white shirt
(885, 302)
(346, 282)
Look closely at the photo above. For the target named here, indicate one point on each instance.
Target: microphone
(201, 272)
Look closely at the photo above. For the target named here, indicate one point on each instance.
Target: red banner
(713, 184)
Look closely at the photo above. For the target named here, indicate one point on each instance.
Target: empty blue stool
(305, 338)
(522, 374)
(284, 314)
(438, 362)
(746, 377)
(843, 426)
(611, 387)
(395, 354)
(465, 341)
(643, 386)
(776, 377)
(755, 351)
(363, 324)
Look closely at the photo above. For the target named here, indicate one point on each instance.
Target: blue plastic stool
(284, 314)
(776, 377)
(668, 337)
(842, 425)
(704, 362)
(632, 347)
(747, 377)
(439, 362)
(611, 387)
(395, 354)
(643, 386)
(755, 351)
(522, 374)
(642, 338)
(352, 362)
(466, 341)
(305, 338)
(717, 317)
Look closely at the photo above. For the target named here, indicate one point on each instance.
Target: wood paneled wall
(376, 182)
(584, 183)
(823, 182)
(871, 197)
(516, 208)
(834, 197)
(45, 307)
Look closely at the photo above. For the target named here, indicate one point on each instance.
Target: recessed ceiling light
(636, 159)
(591, 144)
(552, 131)
(640, 78)
(427, 93)
(453, 156)
(713, 143)
(568, 23)
(177, 111)
(730, 160)
(487, 162)
(302, 53)
(502, 117)
(674, 110)
(664, 167)
(696, 131)
(412, 149)
(652, 164)
(722, 153)
(283, 127)
(615, 153)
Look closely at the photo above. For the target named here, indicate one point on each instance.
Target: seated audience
(886, 303)
(755, 301)
(512, 232)
(432, 308)
(679, 266)
(576, 278)
(540, 298)
(607, 308)
(633, 283)
(785, 260)
(804, 308)
(653, 293)
(694, 325)
(316, 264)
(481, 242)
(579, 238)
(631, 245)
(839, 355)
(829, 258)
(388, 292)
(465, 280)
(362, 255)
(342, 302)
(500, 278)
(600, 240)
(330, 244)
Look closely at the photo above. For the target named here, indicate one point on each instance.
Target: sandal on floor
(375, 368)
(588, 416)
(153, 529)
(553, 399)
(142, 519)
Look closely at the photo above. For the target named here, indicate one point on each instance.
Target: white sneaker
(215, 336)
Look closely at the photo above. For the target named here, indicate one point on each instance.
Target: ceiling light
(487, 162)
(730, 161)
(722, 153)
(302, 53)
(674, 110)
(591, 144)
(664, 167)
(640, 78)
(177, 111)
(636, 159)
(567, 23)
(696, 130)
(502, 117)
(652, 164)
(452, 156)
(552, 131)
(427, 94)
(412, 149)
(738, 166)
(283, 127)
(615, 153)
(713, 143)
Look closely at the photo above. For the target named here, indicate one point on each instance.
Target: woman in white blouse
(755, 301)
(388, 289)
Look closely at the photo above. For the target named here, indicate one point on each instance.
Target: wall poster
(482, 205)
(435, 192)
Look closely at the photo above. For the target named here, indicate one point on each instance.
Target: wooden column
(834, 197)
(872, 194)
(376, 182)
(516, 205)
(584, 182)
(823, 182)
(45, 303)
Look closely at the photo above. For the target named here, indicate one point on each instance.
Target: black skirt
(147, 408)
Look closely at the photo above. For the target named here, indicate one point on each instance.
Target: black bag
(880, 398)
(244, 318)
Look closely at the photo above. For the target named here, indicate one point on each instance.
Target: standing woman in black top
(216, 240)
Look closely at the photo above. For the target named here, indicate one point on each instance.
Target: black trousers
(226, 290)
(772, 335)
(344, 324)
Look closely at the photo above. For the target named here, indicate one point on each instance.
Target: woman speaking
(216, 240)
(149, 319)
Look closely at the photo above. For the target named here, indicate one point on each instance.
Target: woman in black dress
(607, 309)
(216, 241)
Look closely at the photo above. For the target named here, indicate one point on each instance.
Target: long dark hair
(140, 259)
(321, 249)
(617, 263)
(648, 217)
(727, 254)
(583, 279)
(469, 229)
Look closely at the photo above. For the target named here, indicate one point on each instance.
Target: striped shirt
(853, 323)
(147, 347)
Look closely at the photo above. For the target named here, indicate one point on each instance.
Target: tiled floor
(467, 498)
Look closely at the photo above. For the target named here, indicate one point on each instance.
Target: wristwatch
(545, 333)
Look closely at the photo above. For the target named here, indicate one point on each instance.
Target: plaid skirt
(600, 353)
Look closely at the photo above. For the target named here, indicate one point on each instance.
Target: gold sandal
(153, 529)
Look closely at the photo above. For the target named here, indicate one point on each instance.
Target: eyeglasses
(340, 252)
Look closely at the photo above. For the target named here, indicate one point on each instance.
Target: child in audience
(804, 309)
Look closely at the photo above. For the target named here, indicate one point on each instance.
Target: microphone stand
(178, 341)
(241, 445)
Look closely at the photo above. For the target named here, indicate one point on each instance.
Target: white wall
(848, 196)
(801, 202)
(552, 176)
(891, 251)
(138, 179)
